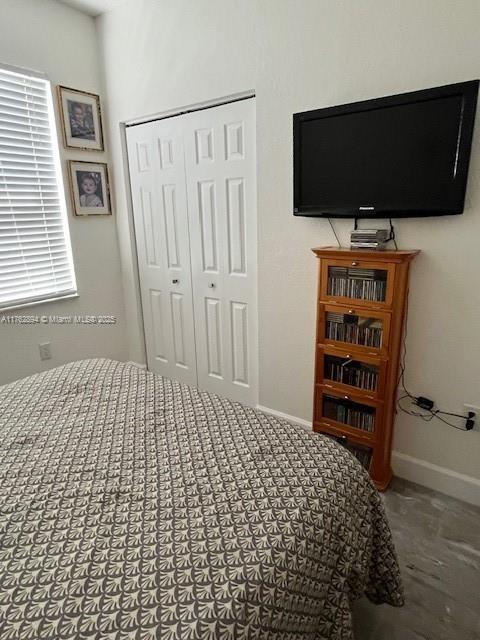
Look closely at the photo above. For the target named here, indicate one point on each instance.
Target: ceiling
(93, 7)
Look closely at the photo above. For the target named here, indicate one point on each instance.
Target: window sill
(35, 303)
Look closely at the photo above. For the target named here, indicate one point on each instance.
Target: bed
(136, 507)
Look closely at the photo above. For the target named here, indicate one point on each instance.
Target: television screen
(399, 156)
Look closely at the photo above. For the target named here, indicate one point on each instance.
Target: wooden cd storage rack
(361, 309)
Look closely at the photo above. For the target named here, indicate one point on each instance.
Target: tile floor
(438, 544)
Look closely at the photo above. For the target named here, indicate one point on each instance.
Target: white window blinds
(35, 253)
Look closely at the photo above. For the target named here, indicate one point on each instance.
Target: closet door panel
(213, 337)
(221, 191)
(157, 174)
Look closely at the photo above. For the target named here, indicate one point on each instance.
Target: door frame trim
(196, 106)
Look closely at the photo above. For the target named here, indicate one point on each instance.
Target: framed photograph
(90, 189)
(81, 119)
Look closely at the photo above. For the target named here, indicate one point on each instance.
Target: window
(35, 252)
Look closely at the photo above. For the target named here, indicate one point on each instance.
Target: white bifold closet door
(220, 169)
(157, 175)
(197, 245)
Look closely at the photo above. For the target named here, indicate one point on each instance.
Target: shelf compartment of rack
(348, 412)
(357, 283)
(351, 371)
(354, 329)
(367, 282)
(362, 454)
(347, 370)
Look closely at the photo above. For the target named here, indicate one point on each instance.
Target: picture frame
(89, 187)
(81, 119)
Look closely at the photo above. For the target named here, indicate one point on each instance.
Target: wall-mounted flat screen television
(400, 156)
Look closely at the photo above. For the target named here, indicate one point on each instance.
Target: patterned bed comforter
(135, 507)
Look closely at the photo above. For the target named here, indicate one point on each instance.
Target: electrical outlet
(476, 411)
(45, 349)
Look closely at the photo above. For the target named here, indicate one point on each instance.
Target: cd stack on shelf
(367, 332)
(352, 373)
(369, 239)
(355, 415)
(362, 284)
(361, 454)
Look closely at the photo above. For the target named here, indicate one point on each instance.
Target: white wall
(49, 37)
(298, 55)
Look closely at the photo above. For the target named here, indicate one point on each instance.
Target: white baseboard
(421, 472)
(137, 364)
(441, 479)
(284, 416)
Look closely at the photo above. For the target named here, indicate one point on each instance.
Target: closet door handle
(212, 285)
(175, 281)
